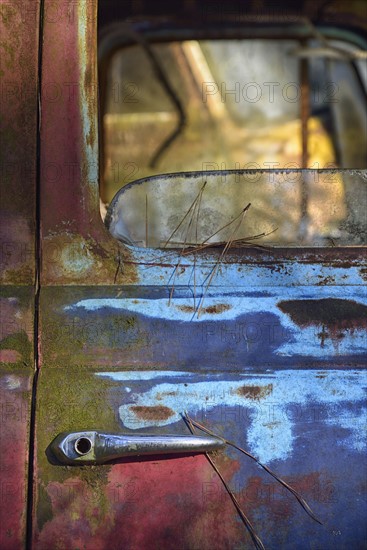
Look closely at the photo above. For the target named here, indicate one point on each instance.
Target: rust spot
(127, 274)
(331, 313)
(69, 257)
(9, 356)
(217, 308)
(255, 392)
(158, 412)
(326, 280)
(187, 309)
(340, 264)
(363, 273)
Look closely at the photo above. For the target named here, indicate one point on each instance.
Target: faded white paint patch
(76, 257)
(357, 439)
(13, 382)
(271, 440)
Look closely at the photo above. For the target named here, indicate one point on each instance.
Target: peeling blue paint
(182, 309)
(232, 328)
(267, 407)
(157, 268)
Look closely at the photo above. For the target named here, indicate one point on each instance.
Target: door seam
(37, 286)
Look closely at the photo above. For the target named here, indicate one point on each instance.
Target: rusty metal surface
(17, 311)
(18, 151)
(75, 245)
(16, 375)
(238, 329)
(19, 29)
(304, 424)
(15, 397)
(277, 369)
(266, 364)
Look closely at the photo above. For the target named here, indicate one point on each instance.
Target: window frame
(119, 35)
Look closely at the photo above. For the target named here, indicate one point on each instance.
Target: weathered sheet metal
(119, 356)
(238, 329)
(16, 376)
(304, 424)
(19, 26)
(15, 397)
(260, 371)
(75, 245)
(19, 29)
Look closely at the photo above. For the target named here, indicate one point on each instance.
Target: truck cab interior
(199, 87)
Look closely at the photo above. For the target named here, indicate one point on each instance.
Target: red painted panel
(19, 52)
(76, 246)
(16, 374)
(19, 25)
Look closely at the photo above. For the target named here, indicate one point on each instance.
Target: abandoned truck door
(187, 304)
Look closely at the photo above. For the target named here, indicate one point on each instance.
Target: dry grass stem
(255, 538)
(300, 499)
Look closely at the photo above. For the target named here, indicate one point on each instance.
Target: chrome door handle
(94, 447)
